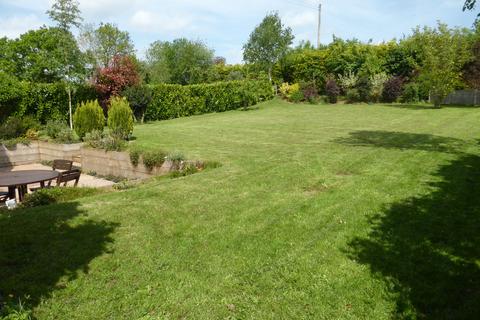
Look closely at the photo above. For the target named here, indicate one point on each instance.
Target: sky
(225, 25)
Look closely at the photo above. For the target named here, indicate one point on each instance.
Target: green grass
(327, 212)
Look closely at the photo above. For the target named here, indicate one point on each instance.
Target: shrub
(332, 90)
(16, 127)
(352, 96)
(48, 196)
(152, 159)
(139, 97)
(290, 91)
(348, 81)
(88, 117)
(66, 135)
(120, 117)
(411, 93)
(107, 141)
(377, 83)
(135, 156)
(392, 89)
(309, 91)
(364, 88)
(53, 128)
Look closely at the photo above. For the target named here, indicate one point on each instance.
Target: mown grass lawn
(326, 212)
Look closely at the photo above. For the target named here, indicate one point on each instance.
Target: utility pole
(319, 24)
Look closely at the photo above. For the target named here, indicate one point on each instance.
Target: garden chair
(70, 175)
(59, 164)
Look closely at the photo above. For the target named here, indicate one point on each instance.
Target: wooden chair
(70, 175)
(59, 164)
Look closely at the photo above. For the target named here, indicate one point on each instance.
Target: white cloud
(149, 21)
(14, 26)
(302, 19)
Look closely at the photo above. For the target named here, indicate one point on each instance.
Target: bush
(352, 96)
(377, 83)
(291, 92)
(411, 93)
(48, 196)
(332, 90)
(392, 89)
(364, 88)
(135, 156)
(54, 127)
(139, 97)
(120, 118)
(309, 91)
(152, 159)
(88, 117)
(107, 141)
(16, 127)
(66, 135)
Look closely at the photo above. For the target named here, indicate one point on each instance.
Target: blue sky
(226, 25)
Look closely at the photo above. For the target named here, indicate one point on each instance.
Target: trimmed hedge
(173, 101)
(47, 101)
(44, 101)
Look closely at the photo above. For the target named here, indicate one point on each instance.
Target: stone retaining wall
(118, 164)
(38, 151)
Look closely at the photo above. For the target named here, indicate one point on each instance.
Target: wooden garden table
(21, 179)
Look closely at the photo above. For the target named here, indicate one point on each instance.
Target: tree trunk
(270, 74)
(69, 91)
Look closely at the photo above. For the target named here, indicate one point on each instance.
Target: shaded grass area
(326, 212)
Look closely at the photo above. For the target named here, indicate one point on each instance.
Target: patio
(85, 179)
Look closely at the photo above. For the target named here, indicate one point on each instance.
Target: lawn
(327, 212)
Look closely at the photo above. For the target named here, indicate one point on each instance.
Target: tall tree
(268, 43)
(67, 14)
(181, 61)
(102, 44)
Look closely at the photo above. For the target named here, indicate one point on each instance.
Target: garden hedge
(173, 101)
(44, 101)
(50, 101)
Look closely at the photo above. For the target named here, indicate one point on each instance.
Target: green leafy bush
(88, 117)
(48, 196)
(135, 156)
(153, 159)
(120, 117)
(411, 93)
(107, 141)
(66, 135)
(139, 97)
(297, 96)
(352, 96)
(16, 127)
(364, 88)
(54, 127)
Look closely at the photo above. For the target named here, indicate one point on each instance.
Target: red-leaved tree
(110, 81)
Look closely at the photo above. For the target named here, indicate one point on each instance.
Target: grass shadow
(402, 141)
(39, 247)
(427, 248)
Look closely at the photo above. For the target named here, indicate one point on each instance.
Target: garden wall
(118, 164)
(38, 151)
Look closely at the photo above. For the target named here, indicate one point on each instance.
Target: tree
(66, 13)
(444, 52)
(268, 43)
(181, 61)
(110, 81)
(102, 44)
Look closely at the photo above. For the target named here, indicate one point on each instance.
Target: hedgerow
(44, 101)
(173, 101)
